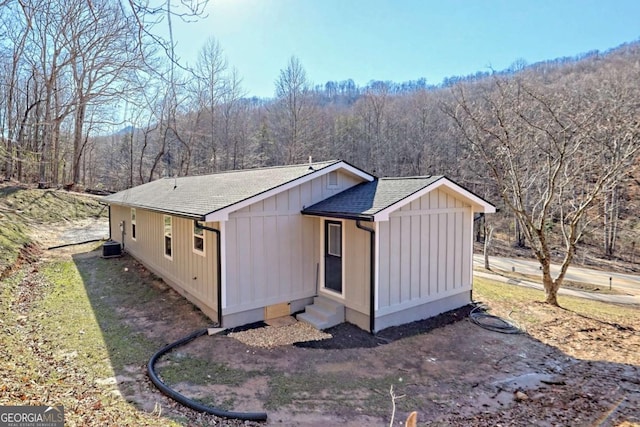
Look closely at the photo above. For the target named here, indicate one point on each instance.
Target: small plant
(412, 419)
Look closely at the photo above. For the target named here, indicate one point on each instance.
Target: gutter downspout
(372, 279)
(219, 265)
(109, 210)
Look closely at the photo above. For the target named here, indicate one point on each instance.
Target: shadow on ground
(454, 375)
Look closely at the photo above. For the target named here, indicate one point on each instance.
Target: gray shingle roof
(367, 199)
(197, 196)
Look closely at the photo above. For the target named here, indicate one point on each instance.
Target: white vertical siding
(425, 251)
(272, 250)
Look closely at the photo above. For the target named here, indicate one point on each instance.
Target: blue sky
(404, 39)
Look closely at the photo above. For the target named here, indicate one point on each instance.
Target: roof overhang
(153, 209)
(477, 203)
(223, 214)
(339, 215)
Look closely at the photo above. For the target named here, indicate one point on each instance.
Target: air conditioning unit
(111, 248)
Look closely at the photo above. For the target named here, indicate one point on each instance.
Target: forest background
(553, 144)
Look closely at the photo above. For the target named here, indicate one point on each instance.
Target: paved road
(627, 283)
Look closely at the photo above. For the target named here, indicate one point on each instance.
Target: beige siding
(272, 250)
(424, 252)
(192, 274)
(356, 267)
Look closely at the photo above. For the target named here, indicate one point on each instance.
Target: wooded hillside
(72, 69)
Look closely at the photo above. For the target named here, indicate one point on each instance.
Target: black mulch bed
(346, 335)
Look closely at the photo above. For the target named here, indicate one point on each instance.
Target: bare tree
(17, 31)
(209, 87)
(545, 157)
(293, 112)
(104, 52)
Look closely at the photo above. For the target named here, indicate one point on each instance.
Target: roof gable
(213, 197)
(477, 203)
(374, 201)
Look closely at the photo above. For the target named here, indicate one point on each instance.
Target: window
(332, 179)
(198, 239)
(335, 244)
(167, 236)
(133, 223)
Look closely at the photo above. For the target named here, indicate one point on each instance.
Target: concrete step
(320, 312)
(316, 323)
(328, 304)
(323, 313)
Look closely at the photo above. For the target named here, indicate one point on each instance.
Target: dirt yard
(569, 368)
(576, 372)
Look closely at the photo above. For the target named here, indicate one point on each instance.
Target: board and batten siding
(425, 252)
(272, 250)
(190, 273)
(356, 259)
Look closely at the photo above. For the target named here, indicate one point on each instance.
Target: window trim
(330, 239)
(133, 224)
(169, 236)
(200, 236)
(322, 283)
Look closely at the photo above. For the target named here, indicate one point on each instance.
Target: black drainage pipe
(180, 398)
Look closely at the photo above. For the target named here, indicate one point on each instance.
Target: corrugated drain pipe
(250, 416)
(218, 264)
(372, 279)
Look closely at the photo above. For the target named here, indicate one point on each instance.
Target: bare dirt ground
(566, 370)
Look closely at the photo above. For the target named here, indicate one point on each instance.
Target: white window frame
(134, 229)
(321, 286)
(169, 235)
(330, 226)
(198, 236)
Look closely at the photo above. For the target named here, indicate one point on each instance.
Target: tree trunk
(78, 145)
(488, 234)
(550, 290)
(550, 286)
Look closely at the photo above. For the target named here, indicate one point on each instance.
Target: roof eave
(339, 215)
(222, 214)
(188, 215)
(477, 203)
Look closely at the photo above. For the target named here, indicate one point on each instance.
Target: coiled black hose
(180, 398)
(493, 323)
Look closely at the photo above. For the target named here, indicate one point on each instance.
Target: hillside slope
(22, 207)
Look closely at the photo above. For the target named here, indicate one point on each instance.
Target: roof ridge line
(397, 178)
(230, 171)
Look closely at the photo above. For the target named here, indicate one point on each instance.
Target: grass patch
(50, 205)
(92, 337)
(521, 298)
(13, 237)
(78, 307)
(487, 289)
(336, 390)
(21, 206)
(228, 404)
(55, 351)
(567, 284)
(201, 372)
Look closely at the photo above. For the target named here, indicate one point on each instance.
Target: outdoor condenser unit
(111, 248)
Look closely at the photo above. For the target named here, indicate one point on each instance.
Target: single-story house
(326, 240)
